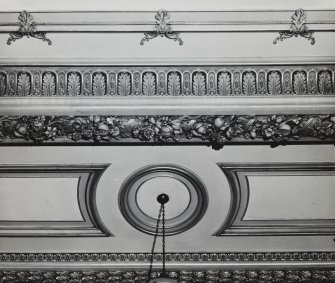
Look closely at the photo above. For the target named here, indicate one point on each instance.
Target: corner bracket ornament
(162, 28)
(27, 27)
(298, 28)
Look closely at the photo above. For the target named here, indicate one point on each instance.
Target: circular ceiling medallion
(187, 203)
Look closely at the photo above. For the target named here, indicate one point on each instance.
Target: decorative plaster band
(210, 276)
(225, 80)
(210, 130)
(204, 267)
(176, 257)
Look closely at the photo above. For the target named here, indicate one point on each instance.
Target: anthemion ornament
(27, 27)
(162, 28)
(298, 28)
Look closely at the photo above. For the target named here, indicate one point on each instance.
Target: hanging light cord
(161, 210)
(163, 240)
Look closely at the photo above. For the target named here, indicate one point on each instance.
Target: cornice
(182, 21)
(216, 131)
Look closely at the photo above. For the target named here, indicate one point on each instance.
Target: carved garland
(212, 130)
(170, 81)
(210, 276)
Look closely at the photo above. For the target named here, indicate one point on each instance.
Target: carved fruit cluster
(251, 276)
(214, 130)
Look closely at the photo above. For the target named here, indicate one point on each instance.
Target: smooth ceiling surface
(119, 5)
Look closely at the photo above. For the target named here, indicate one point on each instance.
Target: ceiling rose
(188, 198)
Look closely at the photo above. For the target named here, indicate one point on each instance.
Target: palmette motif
(298, 28)
(167, 81)
(27, 27)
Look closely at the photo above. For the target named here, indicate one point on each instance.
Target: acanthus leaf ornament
(169, 81)
(298, 28)
(27, 27)
(162, 29)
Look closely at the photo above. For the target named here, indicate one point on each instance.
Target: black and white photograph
(167, 141)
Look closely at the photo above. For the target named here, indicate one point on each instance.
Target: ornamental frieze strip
(216, 131)
(223, 80)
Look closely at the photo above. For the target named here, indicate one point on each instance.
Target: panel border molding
(88, 176)
(237, 174)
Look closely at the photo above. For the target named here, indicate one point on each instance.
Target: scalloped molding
(223, 80)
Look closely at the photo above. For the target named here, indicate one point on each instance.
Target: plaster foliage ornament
(174, 88)
(274, 84)
(198, 276)
(23, 85)
(224, 85)
(124, 84)
(162, 29)
(73, 85)
(199, 84)
(27, 28)
(216, 131)
(325, 83)
(49, 84)
(298, 28)
(99, 85)
(249, 84)
(149, 84)
(167, 81)
(299, 83)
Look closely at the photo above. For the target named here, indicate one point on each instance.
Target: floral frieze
(216, 131)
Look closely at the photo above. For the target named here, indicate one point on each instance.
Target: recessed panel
(280, 199)
(291, 197)
(50, 200)
(39, 199)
